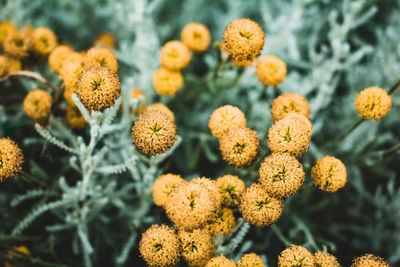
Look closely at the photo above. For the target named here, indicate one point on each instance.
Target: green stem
(279, 234)
(350, 130)
(30, 178)
(394, 87)
(389, 151)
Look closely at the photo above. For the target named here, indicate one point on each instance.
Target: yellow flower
(239, 146)
(98, 88)
(281, 175)
(101, 56)
(243, 41)
(373, 103)
(231, 187)
(258, 207)
(160, 246)
(154, 133)
(107, 40)
(167, 82)
(329, 174)
(197, 246)
(175, 55)
(6, 27)
(224, 118)
(44, 41)
(369, 260)
(220, 261)
(250, 260)
(8, 65)
(289, 103)
(75, 118)
(70, 70)
(37, 104)
(17, 44)
(324, 259)
(196, 37)
(136, 93)
(163, 186)
(57, 57)
(163, 108)
(11, 158)
(211, 185)
(296, 256)
(12, 255)
(271, 70)
(223, 224)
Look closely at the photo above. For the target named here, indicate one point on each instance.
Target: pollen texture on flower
(37, 104)
(220, 261)
(296, 256)
(250, 260)
(162, 108)
(324, 259)
(11, 158)
(163, 186)
(197, 246)
(369, 260)
(101, 56)
(329, 174)
(289, 103)
(373, 103)
(231, 187)
(224, 118)
(223, 224)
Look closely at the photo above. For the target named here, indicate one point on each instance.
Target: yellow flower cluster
(11, 158)
(373, 103)
(369, 260)
(37, 105)
(329, 174)
(271, 70)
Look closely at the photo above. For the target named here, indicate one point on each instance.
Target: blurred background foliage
(333, 50)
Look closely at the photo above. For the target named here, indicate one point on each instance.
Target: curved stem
(394, 87)
(30, 74)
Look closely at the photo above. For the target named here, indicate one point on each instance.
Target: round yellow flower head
(160, 246)
(17, 44)
(373, 103)
(6, 27)
(70, 70)
(289, 135)
(75, 118)
(223, 224)
(224, 118)
(136, 93)
(8, 65)
(167, 82)
(154, 133)
(329, 174)
(101, 56)
(250, 260)
(44, 41)
(289, 103)
(163, 108)
(11, 254)
(220, 261)
(98, 88)
(57, 57)
(198, 247)
(196, 37)
(11, 158)
(231, 187)
(190, 206)
(258, 207)
(281, 175)
(175, 55)
(163, 186)
(37, 104)
(296, 256)
(271, 70)
(303, 120)
(369, 260)
(211, 185)
(239, 146)
(243, 41)
(107, 40)
(324, 259)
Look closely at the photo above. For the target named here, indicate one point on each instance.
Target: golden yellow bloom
(8, 65)
(101, 56)
(44, 41)
(167, 82)
(271, 70)
(17, 44)
(175, 55)
(198, 247)
(223, 224)
(37, 104)
(154, 133)
(11, 254)
(220, 261)
(57, 57)
(11, 158)
(196, 37)
(258, 207)
(296, 256)
(70, 71)
(289, 135)
(75, 118)
(163, 108)
(6, 27)
(250, 260)
(369, 260)
(98, 88)
(329, 174)
(190, 206)
(303, 120)
(211, 185)
(324, 259)
(281, 175)
(373, 103)
(224, 118)
(243, 41)
(106, 39)
(163, 186)
(160, 246)
(231, 187)
(136, 93)
(289, 103)
(239, 146)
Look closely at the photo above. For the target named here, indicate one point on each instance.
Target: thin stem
(281, 237)
(31, 178)
(389, 151)
(351, 129)
(394, 87)
(30, 74)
